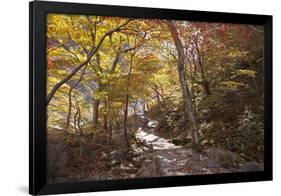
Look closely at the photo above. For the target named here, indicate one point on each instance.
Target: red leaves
(50, 63)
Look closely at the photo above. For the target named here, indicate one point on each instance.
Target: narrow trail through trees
(130, 98)
(167, 159)
(155, 156)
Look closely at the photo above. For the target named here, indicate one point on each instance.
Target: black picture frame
(37, 97)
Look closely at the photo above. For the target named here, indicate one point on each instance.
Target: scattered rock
(152, 124)
(251, 167)
(150, 168)
(226, 158)
(197, 168)
(116, 157)
(213, 164)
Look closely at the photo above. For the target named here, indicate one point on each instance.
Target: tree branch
(91, 54)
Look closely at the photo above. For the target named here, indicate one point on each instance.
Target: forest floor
(150, 156)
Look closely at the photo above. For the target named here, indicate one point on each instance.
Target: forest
(138, 98)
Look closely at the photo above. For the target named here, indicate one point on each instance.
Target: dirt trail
(167, 159)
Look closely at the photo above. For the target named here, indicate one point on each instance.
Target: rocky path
(167, 159)
(148, 138)
(150, 156)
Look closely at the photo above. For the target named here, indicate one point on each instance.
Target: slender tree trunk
(110, 137)
(96, 104)
(125, 120)
(105, 116)
(194, 63)
(75, 121)
(70, 97)
(79, 118)
(192, 79)
(205, 82)
(185, 91)
(160, 98)
(206, 87)
(146, 106)
(127, 103)
(134, 108)
(69, 108)
(110, 126)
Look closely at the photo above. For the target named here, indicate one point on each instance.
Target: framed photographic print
(129, 97)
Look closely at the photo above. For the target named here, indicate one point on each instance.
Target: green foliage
(249, 136)
(208, 102)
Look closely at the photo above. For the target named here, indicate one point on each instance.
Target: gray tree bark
(95, 119)
(185, 91)
(205, 82)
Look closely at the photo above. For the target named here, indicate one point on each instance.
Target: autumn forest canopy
(133, 98)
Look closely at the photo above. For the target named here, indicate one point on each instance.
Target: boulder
(150, 168)
(226, 158)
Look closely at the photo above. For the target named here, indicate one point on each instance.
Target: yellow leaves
(237, 53)
(106, 78)
(52, 80)
(56, 25)
(246, 72)
(100, 95)
(147, 63)
(66, 29)
(233, 85)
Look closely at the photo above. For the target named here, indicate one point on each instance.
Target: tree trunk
(160, 98)
(70, 97)
(110, 137)
(192, 79)
(204, 82)
(110, 127)
(146, 106)
(95, 119)
(127, 103)
(206, 87)
(125, 120)
(185, 91)
(69, 109)
(79, 118)
(105, 115)
(75, 121)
